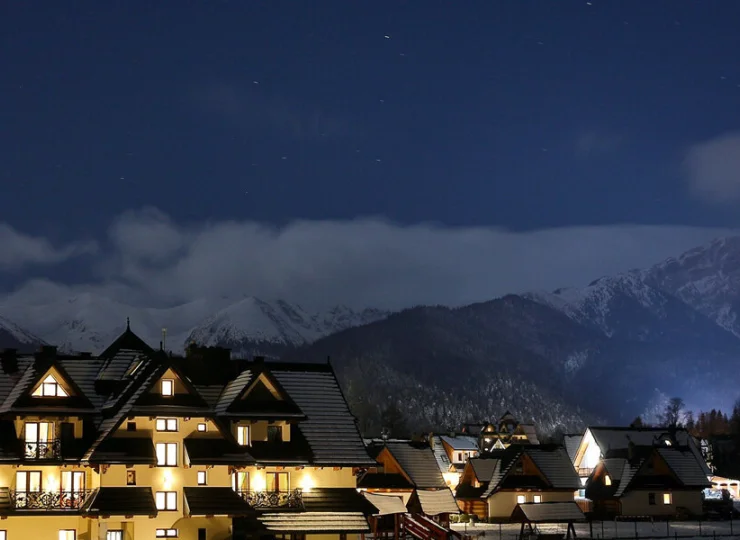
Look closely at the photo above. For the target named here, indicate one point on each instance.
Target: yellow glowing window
(667, 498)
(166, 454)
(242, 435)
(607, 480)
(67, 534)
(166, 533)
(50, 388)
(202, 478)
(538, 498)
(521, 499)
(113, 535)
(166, 424)
(203, 427)
(168, 388)
(3, 535)
(240, 481)
(166, 500)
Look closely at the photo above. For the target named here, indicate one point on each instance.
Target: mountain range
(605, 352)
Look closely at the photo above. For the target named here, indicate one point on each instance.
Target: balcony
(51, 449)
(264, 500)
(583, 472)
(48, 500)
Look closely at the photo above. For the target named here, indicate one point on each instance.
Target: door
(277, 482)
(240, 482)
(27, 489)
(73, 488)
(38, 440)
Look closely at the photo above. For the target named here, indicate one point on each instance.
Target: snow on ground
(613, 529)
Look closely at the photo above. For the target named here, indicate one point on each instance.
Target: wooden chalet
(508, 430)
(451, 453)
(661, 480)
(494, 484)
(409, 470)
(138, 444)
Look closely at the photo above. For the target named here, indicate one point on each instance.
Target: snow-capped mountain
(90, 322)
(255, 326)
(13, 336)
(706, 278)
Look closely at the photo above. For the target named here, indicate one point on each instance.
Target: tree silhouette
(393, 420)
(671, 416)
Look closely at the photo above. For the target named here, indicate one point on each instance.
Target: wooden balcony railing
(51, 449)
(260, 500)
(49, 500)
(583, 472)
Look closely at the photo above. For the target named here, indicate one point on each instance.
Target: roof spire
(128, 323)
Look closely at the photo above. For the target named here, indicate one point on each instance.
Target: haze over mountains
(604, 352)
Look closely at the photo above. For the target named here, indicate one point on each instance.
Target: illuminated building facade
(138, 444)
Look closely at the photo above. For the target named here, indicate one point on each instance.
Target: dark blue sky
(512, 113)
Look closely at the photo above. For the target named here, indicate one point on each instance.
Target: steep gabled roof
(418, 463)
(329, 427)
(126, 341)
(461, 442)
(76, 402)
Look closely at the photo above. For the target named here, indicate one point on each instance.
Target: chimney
(9, 361)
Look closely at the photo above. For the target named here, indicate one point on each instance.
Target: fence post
(602, 528)
(635, 522)
(667, 529)
(500, 534)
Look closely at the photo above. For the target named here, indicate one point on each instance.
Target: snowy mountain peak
(13, 336)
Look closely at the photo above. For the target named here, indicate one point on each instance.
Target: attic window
(50, 388)
(667, 442)
(134, 368)
(667, 498)
(168, 387)
(607, 480)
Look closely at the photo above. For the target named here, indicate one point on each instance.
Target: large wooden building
(138, 444)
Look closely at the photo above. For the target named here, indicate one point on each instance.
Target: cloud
(364, 262)
(20, 250)
(253, 109)
(590, 143)
(713, 169)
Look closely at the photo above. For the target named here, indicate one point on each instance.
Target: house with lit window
(409, 470)
(648, 481)
(507, 431)
(494, 484)
(589, 449)
(139, 444)
(451, 453)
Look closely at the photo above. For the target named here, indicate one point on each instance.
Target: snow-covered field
(614, 530)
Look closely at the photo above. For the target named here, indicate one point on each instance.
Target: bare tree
(672, 416)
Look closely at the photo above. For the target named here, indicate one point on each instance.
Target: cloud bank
(713, 169)
(20, 250)
(151, 260)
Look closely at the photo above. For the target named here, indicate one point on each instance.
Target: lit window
(242, 435)
(166, 454)
(202, 478)
(134, 368)
(521, 499)
(168, 389)
(67, 534)
(240, 481)
(538, 498)
(3, 535)
(203, 427)
(166, 500)
(166, 424)
(607, 480)
(667, 498)
(166, 533)
(667, 442)
(114, 535)
(50, 388)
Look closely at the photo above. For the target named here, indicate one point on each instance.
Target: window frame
(117, 532)
(167, 423)
(607, 480)
(651, 499)
(537, 499)
(275, 428)
(204, 476)
(521, 499)
(73, 531)
(165, 533)
(171, 383)
(667, 499)
(41, 390)
(204, 425)
(167, 445)
(167, 498)
(247, 429)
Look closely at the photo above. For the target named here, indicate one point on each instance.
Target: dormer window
(667, 442)
(607, 480)
(50, 388)
(134, 368)
(168, 387)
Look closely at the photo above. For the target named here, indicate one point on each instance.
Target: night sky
(514, 114)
